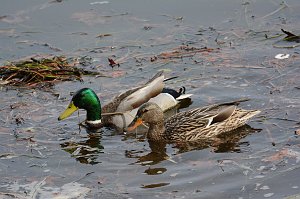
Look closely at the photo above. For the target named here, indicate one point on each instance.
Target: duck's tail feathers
(177, 94)
(157, 75)
(161, 73)
(250, 114)
(183, 100)
(184, 96)
(170, 78)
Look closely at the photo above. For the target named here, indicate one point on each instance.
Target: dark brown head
(149, 113)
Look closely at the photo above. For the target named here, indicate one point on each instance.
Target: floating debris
(297, 196)
(266, 187)
(291, 37)
(44, 190)
(103, 35)
(181, 51)
(99, 2)
(149, 186)
(282, 56)
(113, 63)
(268, 195)
(34, 72)
(284, 153)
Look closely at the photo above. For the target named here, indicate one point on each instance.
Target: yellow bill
(134, 124)
(69, 110)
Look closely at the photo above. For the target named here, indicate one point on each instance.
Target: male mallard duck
(200, 123)
(125, 104)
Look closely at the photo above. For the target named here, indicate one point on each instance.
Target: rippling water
(43, 158)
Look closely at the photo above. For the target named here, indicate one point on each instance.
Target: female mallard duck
(200, 123)
(125, 104)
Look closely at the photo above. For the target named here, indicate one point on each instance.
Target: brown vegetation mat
(34, 72)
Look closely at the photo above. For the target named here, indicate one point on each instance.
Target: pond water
(237, 42)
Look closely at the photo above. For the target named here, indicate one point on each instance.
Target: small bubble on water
(265, 187)
(256, 186)
(259, 176)
(245, 172)
(267, 195)
(273, 168)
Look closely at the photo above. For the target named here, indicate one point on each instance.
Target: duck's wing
(201, 117)
(136, 97)
(186, 125)
(213, 113)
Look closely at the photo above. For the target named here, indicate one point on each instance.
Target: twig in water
(284, 119)
(37, 187)
(283, 6)
(17, 155)
(270, 136)
(291, 46)
(89, 173)
(14, 195)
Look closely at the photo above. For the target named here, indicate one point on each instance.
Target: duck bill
(69, 110)
(134, 124)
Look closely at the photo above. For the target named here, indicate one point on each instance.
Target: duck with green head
(85, 99)
(123, 106)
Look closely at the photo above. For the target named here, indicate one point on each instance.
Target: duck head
(85, 99)
(149, 113)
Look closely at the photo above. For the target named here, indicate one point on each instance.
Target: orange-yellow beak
(134, 124)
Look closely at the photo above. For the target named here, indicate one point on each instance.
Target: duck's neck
(93, 114)
(156, 131)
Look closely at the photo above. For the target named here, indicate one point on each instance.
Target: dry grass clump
(33, 72)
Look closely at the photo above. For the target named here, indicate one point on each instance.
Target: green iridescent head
(85, 99)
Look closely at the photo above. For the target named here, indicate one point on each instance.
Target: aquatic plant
(33, 72)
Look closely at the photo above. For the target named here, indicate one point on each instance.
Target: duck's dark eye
(145, 110)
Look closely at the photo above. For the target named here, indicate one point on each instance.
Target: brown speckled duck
(196, 124)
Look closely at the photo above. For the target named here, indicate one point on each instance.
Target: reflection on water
(86, 151)
(155, 156)
(231, 141)
(155, 171)
(226, 142)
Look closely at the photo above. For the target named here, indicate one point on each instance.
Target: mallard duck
(196, 124)
(123, 107)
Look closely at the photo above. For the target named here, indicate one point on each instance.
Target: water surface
(43, 158)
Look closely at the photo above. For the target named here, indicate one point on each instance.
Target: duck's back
(206, 122)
